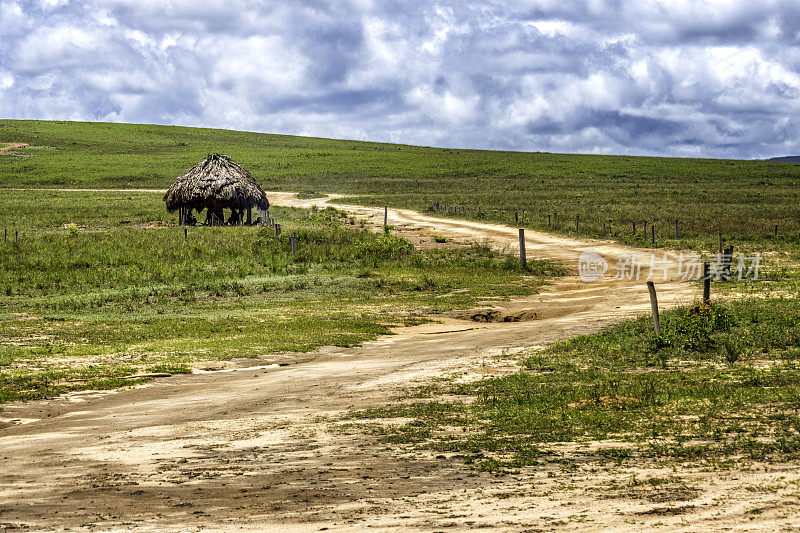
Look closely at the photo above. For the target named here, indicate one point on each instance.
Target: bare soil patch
(11, 146)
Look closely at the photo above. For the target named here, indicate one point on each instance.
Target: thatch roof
(215, 182)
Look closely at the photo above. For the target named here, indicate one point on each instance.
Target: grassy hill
(102, 286)
(743, 199)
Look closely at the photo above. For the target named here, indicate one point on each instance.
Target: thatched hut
(216, 183)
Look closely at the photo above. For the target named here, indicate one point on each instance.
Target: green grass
(99, 286)
(742, 199)
(720, 383)
(120, 291)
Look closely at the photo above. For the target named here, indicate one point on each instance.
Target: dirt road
(261, 448)
(11, 146)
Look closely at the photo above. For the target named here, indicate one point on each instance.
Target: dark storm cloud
(678, 77)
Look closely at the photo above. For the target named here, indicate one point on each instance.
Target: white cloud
(6, 81)
(677, 77)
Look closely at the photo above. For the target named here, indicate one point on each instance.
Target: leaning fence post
(522, 258)
(654, 306)
(706, 282)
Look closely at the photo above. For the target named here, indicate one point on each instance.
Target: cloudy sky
(717, 78)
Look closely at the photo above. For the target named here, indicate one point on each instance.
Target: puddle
(260, 367)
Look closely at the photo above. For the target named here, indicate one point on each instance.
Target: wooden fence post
(277, 230)
(720, 244)
(385, 215)
(548, 221)
(634, 228)
(645, 229)
(727, 261)
(516, 217)
(522, 259)
(604, 229)
(185, 234)
(706, 283)
(654, 306)
(16, 236)
(5, 235)
(676, 228)
(577, 221)
(652, 234)
(776, 230)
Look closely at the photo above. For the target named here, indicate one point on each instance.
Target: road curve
(261, 448)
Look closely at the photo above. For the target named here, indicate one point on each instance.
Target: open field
(742, 199)
(718, 387)
(298, 446)
(358, 383)
(93, 295)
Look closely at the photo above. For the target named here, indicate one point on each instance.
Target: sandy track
(11, 146)
(260, 449)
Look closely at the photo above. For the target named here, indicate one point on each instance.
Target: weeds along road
(264, 447)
